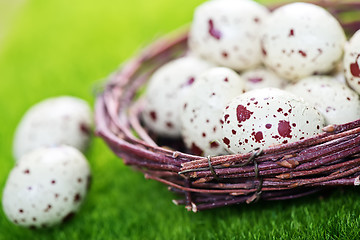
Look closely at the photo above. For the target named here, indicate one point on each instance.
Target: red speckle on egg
(291, 33)
(77, 197)
(153, 115)
(215, 33)
(268, 126)
(284, 129)
(196, 150)
(258, 137)
(354, 67)
(190, 81)
(27, 171)
(329, 108)
(226, 141)
(48, 208)
(263, 50)
(242, 113)
(302, 53)
(214, 145)
(255, 80)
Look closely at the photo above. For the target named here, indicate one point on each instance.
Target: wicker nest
(286, 171)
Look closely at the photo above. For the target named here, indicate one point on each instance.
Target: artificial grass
(67, 47)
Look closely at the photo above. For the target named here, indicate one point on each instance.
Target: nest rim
(118, 124)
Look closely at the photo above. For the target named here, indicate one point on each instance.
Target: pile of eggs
(253, 78)
(51, 176)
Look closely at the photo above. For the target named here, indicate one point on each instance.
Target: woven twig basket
(286, 171)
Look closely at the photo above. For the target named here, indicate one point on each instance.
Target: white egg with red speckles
(227, 32)
(262, 77)
(165, 91)
(333, 99)
(46, 187)
(269, 116)
(54, 121)
(351, 62)
(203, 106)
(301, 39)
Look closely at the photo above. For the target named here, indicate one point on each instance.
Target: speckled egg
(227, 32)
(301, 39)
(202, 109)
(333, 99)
(261, 78)
(352, 61)
(46, 187)
(338, 74)
(165, 91)
(54, 121)
(266, 117)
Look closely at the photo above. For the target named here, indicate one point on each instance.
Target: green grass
(62, 47)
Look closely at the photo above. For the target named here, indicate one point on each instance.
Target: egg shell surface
(165, 92)
(261, 78)
(333, 99)
(202, 109)
(301, 39)
(46, 187)
(264, 117)
(54, 121)
(227, 32)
